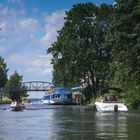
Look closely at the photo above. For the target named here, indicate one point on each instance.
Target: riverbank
(5, 100)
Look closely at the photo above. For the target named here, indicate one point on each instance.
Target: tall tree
(17, 91)
(3, 72)
(79, 52)
(125, 44)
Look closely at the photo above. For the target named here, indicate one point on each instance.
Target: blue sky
(29, 27)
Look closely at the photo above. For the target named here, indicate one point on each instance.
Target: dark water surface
(42, 122)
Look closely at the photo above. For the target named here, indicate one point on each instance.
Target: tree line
(99, 46)
(15, 81)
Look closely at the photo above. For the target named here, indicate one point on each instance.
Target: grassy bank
(5, 100)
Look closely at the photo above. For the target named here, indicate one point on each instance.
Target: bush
(133, 97)
(6, 100)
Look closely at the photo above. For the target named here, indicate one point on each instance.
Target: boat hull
(110, 107)
(17, 108)
(55, 102)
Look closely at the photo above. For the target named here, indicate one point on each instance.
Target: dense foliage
(100, 46)
(125, 44)
(17, 91)
(79, 53)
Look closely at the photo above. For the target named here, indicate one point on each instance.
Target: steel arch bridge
(37, 86)
(29, 86)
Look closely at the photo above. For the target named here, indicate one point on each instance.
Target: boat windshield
(56, 96)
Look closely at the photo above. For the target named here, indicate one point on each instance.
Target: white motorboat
(113, 106)
(110, 102)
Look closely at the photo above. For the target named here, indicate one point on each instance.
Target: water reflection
(67, 123)
(91, 125)
(111, 126)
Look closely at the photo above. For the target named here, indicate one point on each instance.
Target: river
(44, 122)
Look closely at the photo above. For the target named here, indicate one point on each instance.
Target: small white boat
(110, 102)
(17, 106)
(111, 106)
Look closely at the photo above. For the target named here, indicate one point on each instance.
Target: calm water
(42, 122)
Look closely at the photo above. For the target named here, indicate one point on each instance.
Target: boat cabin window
(56, 96)
(69, 96)
(46, 97)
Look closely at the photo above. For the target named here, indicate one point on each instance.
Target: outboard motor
(94, 108)
(115, 108)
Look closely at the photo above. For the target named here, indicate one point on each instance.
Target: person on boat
(105, 98)
(113, 98)
(20, 104)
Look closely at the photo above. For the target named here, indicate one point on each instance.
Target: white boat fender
(115, 108)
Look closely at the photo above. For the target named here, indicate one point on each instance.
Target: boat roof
(105, 90)
(76, 88)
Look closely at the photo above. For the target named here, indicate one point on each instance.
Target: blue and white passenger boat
(58, 97)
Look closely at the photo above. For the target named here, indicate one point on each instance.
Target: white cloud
(54, 22)
(28, 24)
(33, 64)
(21, 34)
(2, 26)
(17, 31)
(14, 22)
(19, 2)
(3, 49)
(10, 11)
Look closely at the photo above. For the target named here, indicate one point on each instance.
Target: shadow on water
(42, 122)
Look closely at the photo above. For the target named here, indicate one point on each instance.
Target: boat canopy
(105, 90)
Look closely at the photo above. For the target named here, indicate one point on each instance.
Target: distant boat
(15, 106)
(58, 97)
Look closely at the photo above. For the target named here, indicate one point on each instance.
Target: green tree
(79, 51)
(17, 91)
(125, 44)
(3, 72)
(125, 41)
